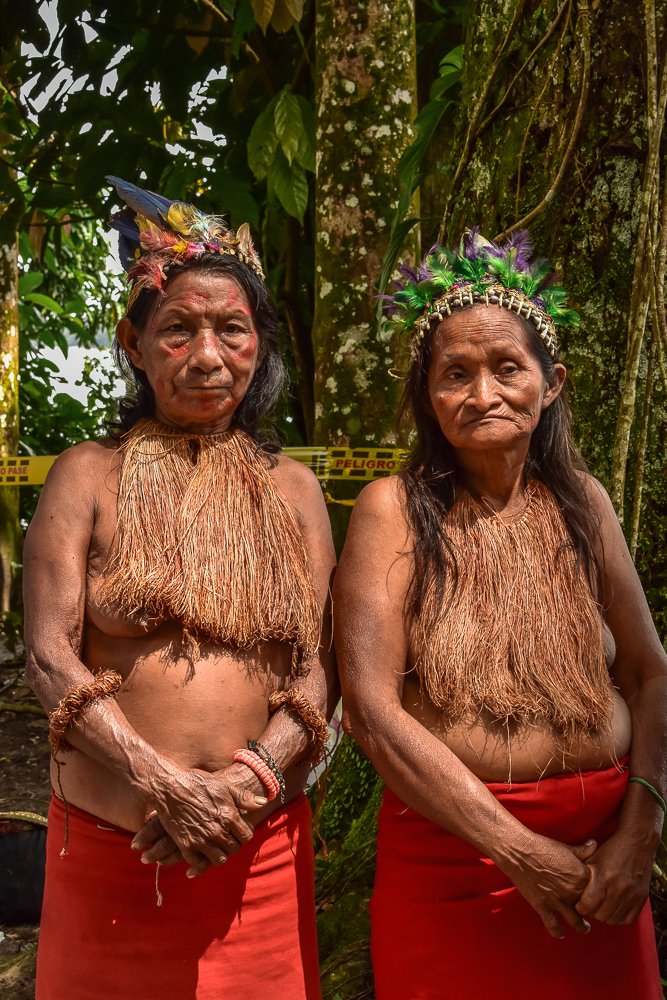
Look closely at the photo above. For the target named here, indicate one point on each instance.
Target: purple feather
(522, 243)
(469, 248)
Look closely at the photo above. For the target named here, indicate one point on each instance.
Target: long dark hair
(268, 381)
(432, 479)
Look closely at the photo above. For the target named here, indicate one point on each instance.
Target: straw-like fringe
(519, 633)
(205, 536)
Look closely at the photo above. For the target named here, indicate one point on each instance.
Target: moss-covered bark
(365, 103)
(366, 94)
(10, 532)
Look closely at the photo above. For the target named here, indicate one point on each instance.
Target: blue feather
(152, 206)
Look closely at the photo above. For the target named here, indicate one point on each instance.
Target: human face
(199, 350)
(485, 386)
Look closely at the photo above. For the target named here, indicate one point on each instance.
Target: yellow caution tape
(350, 463)
(326, 463)
(344, 503)
(25, 471)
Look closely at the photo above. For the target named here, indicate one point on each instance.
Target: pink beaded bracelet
(261, 769)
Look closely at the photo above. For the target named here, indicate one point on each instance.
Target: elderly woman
(184, 569)
(500, 667)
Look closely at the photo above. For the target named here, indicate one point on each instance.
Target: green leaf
(262, 143)
(30, 281)
(289, 124)
(45, 301)
(398, 235)
(244, 21)
(306, 151)
(76, 306)
(290, 185)
(453, 58)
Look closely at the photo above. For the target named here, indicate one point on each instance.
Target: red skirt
(245, 929)
(449, 924)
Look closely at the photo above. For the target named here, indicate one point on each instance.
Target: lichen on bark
(365, 102)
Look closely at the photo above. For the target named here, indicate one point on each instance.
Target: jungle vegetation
(352, 136)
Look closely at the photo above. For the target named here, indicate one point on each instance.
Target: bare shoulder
(379, 517)
(599, 500)
(381, 508)
(299, 483)
(80, 474)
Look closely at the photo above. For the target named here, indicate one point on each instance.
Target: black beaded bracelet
(264, 755)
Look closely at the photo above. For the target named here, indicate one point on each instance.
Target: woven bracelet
(310, 716)
(261, 769)
(74, 704)
(653, 791)
(256, 747)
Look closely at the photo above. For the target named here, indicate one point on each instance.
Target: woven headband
(156, 233)
(480, 272)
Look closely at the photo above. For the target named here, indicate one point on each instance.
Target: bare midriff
(495, 751)
(196, 717)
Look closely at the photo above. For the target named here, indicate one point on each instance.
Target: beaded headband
(480, 272)
(156, 233)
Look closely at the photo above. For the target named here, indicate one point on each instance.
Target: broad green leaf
(453, 58)
(244, 21)
(263, 9)
(28, 282)
(306, 151)
(76, 306)
(50, 260)
(290, 185)
(444, 82)
(45, 301)
(289, 124)
(262, 143)
(61, 340)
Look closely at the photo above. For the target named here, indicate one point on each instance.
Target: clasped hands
(609, 883)
(200, 818)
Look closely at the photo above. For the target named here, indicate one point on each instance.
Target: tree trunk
(366, 93)
(10, 531)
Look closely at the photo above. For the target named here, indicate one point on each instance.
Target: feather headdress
(155, 232)
(506, 275)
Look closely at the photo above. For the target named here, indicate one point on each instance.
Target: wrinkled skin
(487, 392)
(157, 760)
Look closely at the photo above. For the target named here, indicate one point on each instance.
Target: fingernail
(135, 847)
(587, 925)
(589, 843)
(260, 800)
(145, 861)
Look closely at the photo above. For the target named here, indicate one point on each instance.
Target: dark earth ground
(25, 786)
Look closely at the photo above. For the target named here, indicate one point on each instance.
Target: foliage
(67, 296)
(168, 98)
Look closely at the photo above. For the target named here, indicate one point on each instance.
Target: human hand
(552, 877)
(619, 883)
(199, 818)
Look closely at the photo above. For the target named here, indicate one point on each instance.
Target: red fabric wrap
(245, 929)
(449, 924)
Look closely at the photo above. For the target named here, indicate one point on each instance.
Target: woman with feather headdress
(499, 665)
(176, 589)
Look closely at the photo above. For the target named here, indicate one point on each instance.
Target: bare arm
(621, 868)
(372, 647)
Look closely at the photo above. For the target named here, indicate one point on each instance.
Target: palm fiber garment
(245, 929)
(448, 925)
